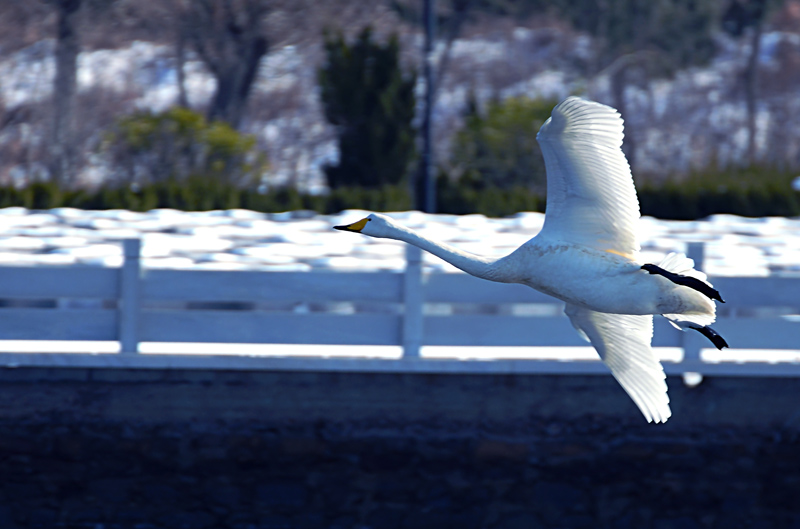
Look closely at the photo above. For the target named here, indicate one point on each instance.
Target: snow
(296, 241)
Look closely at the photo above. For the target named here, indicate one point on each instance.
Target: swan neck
(476, 265)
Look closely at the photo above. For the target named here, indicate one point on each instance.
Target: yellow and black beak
(356, 226)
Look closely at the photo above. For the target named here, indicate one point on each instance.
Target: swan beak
(356, 226)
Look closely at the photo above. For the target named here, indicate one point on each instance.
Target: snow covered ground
(303, 241)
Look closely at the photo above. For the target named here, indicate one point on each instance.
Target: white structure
(412, 310)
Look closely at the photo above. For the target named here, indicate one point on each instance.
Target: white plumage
(587, 253)
(623, 342)
(590, 195)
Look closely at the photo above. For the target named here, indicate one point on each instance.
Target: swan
(586, 254)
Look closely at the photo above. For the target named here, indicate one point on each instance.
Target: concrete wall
(195, 449)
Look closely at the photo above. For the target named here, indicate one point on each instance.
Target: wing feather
(623, 342)
(591, 199)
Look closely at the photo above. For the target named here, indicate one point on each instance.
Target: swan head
(374, 225)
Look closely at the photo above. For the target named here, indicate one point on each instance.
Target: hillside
(695, 117)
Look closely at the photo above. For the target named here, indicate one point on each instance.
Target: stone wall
(245, 450)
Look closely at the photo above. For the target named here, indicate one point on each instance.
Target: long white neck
(478, 266)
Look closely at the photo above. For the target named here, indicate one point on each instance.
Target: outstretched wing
(591, 199)
(623, 342)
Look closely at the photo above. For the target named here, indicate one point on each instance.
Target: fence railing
(133, 305)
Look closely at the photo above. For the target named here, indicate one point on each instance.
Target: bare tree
(740, 17)
(751, 87)
(449, 20)
(62, 148)
(635, 40)
(229, 37)
(180, 64)
(22, 24)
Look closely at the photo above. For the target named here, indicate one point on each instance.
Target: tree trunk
(618, 83)
(62, 159)
(180, 61)
(751, 85)
(234, 80)
(228, 36)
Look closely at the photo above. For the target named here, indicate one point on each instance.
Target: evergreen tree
(371, 102)
(498, 148)
(178, 146)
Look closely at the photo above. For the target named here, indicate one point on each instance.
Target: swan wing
(591, 199)
(623, 342)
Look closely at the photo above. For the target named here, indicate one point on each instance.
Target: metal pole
(426, 185)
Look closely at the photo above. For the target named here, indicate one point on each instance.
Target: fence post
(129, 301)
(697, 252)
(412, 303)
(692, 341)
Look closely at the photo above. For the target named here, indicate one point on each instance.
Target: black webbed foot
(691, 282)
(718, 341)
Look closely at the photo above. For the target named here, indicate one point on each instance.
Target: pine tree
(371, 103)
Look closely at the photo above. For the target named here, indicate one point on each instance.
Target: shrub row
(203, 194)
(671, 200)
(756, 191)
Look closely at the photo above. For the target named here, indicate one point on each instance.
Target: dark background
(200, 449)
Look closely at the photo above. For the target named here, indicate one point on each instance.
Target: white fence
(132, 305)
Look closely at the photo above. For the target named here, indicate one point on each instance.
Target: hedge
(754, 193)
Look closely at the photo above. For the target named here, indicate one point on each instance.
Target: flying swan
(587, 254)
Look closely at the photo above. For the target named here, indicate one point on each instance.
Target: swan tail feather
(680, 270)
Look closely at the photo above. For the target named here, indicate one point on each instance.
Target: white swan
(587, 254)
